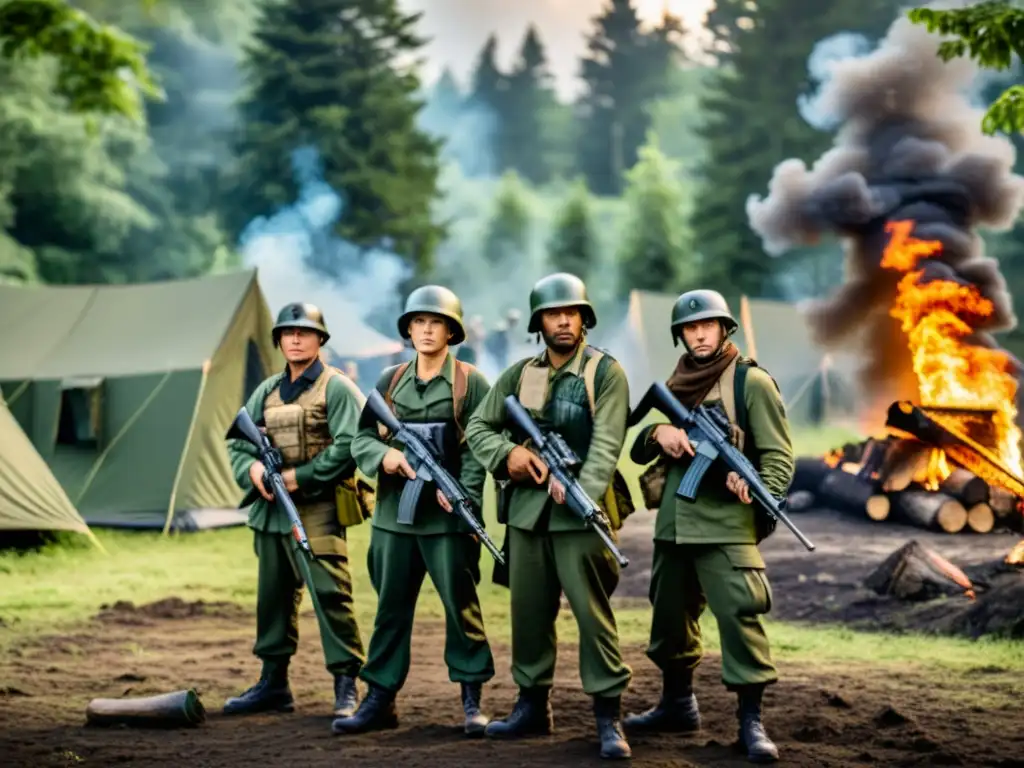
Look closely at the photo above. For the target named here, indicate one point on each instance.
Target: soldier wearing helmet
(582, 393)
(705, 552)
(434, 394)
(310, 411)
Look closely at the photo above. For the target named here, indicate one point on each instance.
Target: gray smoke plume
(909, 146)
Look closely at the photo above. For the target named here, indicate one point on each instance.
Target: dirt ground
(819, 715)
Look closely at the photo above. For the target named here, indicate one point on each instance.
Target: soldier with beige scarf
(705, 552)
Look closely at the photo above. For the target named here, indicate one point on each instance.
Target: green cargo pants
(541, 567)
(397, 564)
(728, 578)
(280, 592)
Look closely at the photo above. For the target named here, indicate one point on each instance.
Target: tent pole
(747, 321)
(124, 430)
(184, 451)
(92, 537)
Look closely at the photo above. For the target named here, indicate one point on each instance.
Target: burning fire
(937, 316)
(1016, 556)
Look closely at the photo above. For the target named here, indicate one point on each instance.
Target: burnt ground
(825, 586)
(820, 715)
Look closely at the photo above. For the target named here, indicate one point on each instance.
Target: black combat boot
(376, 713)
(270, 694)
(346, 696)
(676, 712)
(753, 738)
(476, 722)
(531, 716)
(608, 713)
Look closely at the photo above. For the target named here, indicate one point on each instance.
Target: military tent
(31, 499)
(816, 385)
(126, 391)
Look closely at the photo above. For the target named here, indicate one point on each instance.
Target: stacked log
(890, 479)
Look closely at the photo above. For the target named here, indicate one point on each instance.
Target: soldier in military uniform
(705, 552)
(310, 411)
(582, 393)
(434, 394)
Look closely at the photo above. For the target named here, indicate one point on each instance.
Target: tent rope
(184, 451)
(123, 431)
(18, 392)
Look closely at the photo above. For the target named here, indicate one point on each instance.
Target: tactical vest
(568, 408)
(299, 430)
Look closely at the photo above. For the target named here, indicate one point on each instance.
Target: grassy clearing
(52, 589)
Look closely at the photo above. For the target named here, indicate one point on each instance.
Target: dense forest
(313, 116)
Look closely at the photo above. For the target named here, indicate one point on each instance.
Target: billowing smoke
(299, 258)
(909, 146)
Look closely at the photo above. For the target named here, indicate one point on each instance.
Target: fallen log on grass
(914, 572)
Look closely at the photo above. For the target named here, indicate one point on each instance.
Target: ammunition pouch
(618, 501)
(286, 428)
(652, 483)
(354, 499)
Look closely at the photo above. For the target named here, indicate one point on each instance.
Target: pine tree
(487, 105)
(525, 139)
(328, 74)
(752, 121)
(625, 70)
(655, 254)
(573, 245)
(508, 231)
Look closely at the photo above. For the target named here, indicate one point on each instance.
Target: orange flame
(1016, 556)
(833, 457)
(937, 316)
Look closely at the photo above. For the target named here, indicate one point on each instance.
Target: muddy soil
(825, 586)
(849, 715)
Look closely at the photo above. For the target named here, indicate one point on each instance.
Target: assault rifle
(428, 469)
(560, 460)
(708, 431)
(244, 428)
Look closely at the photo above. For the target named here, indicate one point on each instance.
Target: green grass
(64, 584)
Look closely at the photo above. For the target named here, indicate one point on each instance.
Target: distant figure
(499, 343)
(469, 350)
(352, 371)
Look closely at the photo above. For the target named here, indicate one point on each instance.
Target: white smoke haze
(909, 146)
(282, 247)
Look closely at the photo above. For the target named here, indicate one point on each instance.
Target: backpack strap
(590, 378)
(460, 388)
(399, 370)
(739, 394)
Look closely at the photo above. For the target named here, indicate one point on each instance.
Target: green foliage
(348, 91)
(100, 69)
(508, 231)
(525, 138)
(676, 117)
(655, 254)
(991, 33)
(626, 69)
(573, 246)
(751, 121)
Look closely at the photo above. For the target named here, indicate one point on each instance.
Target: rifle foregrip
(694, 474)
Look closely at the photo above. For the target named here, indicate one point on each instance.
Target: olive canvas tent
(815, 385)
(31, 499)
(126, 391)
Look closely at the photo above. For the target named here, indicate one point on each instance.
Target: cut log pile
(904, 480)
